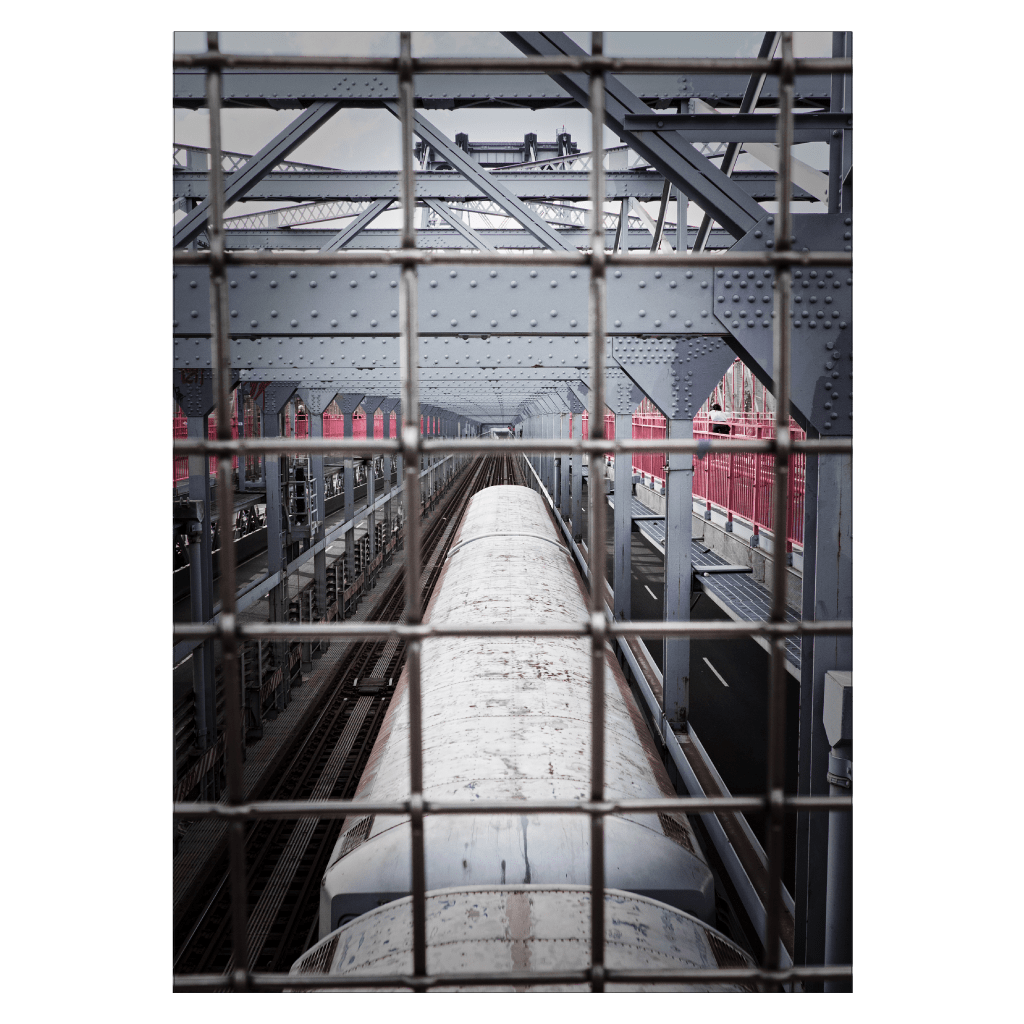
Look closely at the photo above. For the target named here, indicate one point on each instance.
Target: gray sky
(358, 139)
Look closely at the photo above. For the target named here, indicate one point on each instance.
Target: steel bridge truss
(583, 320)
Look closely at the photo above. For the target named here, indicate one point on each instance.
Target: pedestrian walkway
(740, 596)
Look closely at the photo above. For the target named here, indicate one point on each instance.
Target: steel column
(622, 581)
(838, 721)
(564, 421)
(678, 533)
(833, 599)
(199, 673)
(316, 429)
(805, 870)
(348, 404)
(576, 482)
(277, 599)
(202, 600)
(240, 419)
(370, 407)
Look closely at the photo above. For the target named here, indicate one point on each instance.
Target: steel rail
(219, 321)
(781, 351)
(411, 453)
(684, 975)
(287, 809)
(596, 359)
(415, 631)
(592, 64)
(546, 258)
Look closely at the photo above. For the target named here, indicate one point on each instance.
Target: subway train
(509, 718)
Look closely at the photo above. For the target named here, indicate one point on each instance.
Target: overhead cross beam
(739, 128)
(442, 237)
(336, 186)
(488, 185)
(283, 89)
(260, 165)
(694, 175)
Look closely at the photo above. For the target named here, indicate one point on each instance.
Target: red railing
(739, 484)
(295, 425)
(181, 431)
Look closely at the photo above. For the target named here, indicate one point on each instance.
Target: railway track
(286, 859)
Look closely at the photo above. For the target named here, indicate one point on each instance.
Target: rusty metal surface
(509, 718)
(539, 928)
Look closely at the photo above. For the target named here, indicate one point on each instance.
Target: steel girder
(260, 165)
(443, 238)
(694, 175)
(503, 317)
(362, 301)
(740, 128)
(281, 90)
(365, 186)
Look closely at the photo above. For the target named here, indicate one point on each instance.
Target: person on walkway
(719, 421)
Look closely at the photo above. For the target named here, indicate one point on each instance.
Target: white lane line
(651, 592)
(717, 673)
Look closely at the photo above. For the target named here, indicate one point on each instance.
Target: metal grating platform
(740, 596)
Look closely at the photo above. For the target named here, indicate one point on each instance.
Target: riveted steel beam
(439, 238)
(281, 90)
(821, 386)
(362, 186)
(668, 151)
(363, 301)
(816, 127)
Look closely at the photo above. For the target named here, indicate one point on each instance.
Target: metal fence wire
(774, 803)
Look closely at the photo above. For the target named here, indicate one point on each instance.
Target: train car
(509, 718)
(540, 928)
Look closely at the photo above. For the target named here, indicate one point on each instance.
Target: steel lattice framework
(558, 317)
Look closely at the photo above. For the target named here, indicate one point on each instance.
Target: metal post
(199, 676)
(350, 502)
(682, 230)
(781, 351)
(233, 748)
(316, 429)
(678, 581)
(838, 721)
(240, 417)
(622, 581)
(596, 358)
(399, 459)
(564, 420)
(202, 603)
(833, 599)
(411, 446)
(388, 513)
(809, 875)
(277, 599)
(576, 483)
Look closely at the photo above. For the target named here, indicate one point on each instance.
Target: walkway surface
(739, 595)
